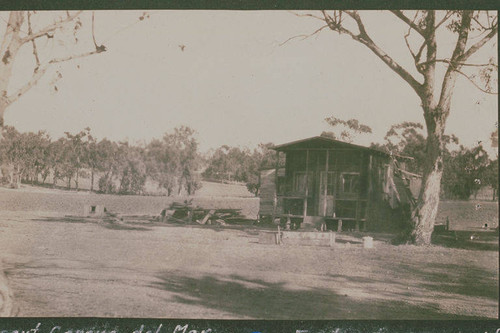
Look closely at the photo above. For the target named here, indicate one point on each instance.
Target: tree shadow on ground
(121, 226)
(450, 280)
(454, 279)
(104, 222)
(459, 239)
(255, 298)
(65, 219)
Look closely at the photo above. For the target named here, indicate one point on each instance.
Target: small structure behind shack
(94, 210)
(334, 185)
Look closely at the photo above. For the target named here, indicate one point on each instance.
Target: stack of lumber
(188, 213)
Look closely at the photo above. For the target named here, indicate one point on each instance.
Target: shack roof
(321, 142)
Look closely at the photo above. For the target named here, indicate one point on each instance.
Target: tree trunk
(425, 212)
(92, 180)
(76, 179)
(8, 50)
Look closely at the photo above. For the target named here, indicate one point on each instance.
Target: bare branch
(93, 30)
(475, 84)
(480, 24)
(444, 19)
(458, 63)
(50, 28)
(35, 52)
(364, 39)
(422, 47)
(72, 57)
(416, 57)
(308, 15)
(304, 36)
(37, 75)
(431, 52)
(362, 31)
(458, 52)
(101, 48)
(473, 49)
(406, 20)
(408, 46)
(41, 71)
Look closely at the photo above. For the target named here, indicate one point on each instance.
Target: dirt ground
(69, 267)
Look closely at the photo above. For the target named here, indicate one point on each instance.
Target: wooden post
(325, 192)
(332, 239)
(370, 192)
(275, 199)
(307, 185)
(357, 215)
(339, 227)
(278, 236)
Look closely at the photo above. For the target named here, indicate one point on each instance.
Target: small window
(350, 183)
(300, 181)
(330, 184)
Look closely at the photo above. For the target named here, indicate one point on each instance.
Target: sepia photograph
(249, 164)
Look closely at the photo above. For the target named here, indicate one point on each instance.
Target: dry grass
(70, 202)
(69, 267)
(60, 266)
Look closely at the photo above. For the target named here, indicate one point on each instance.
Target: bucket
(368, 242)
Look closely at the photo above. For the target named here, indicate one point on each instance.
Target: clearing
(58, 266)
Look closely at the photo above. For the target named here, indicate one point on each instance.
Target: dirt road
(58, 268)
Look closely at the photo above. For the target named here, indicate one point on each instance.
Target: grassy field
(212, 195)
(59, 266)
(468, 215)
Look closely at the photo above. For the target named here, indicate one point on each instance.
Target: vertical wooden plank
(335, 182)
(307, 184)
(325, 191)
(316, 191)
(275, 199)
(357, 215)
(332, 239)
(370, 192)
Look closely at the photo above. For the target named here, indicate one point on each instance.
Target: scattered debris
(187, 213)
(205, 219)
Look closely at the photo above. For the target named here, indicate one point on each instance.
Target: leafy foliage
(464, 172)
(349, 129)
(121, 168)
(173, 161)
(240, 165)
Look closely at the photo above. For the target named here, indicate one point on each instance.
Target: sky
(236, 81)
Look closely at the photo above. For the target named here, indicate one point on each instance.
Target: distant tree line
(175, 164)
(119, 167)
(240, 164)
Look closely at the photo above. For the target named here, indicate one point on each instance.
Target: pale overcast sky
(233, 82)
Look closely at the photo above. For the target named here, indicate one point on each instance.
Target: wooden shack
(331, 184)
